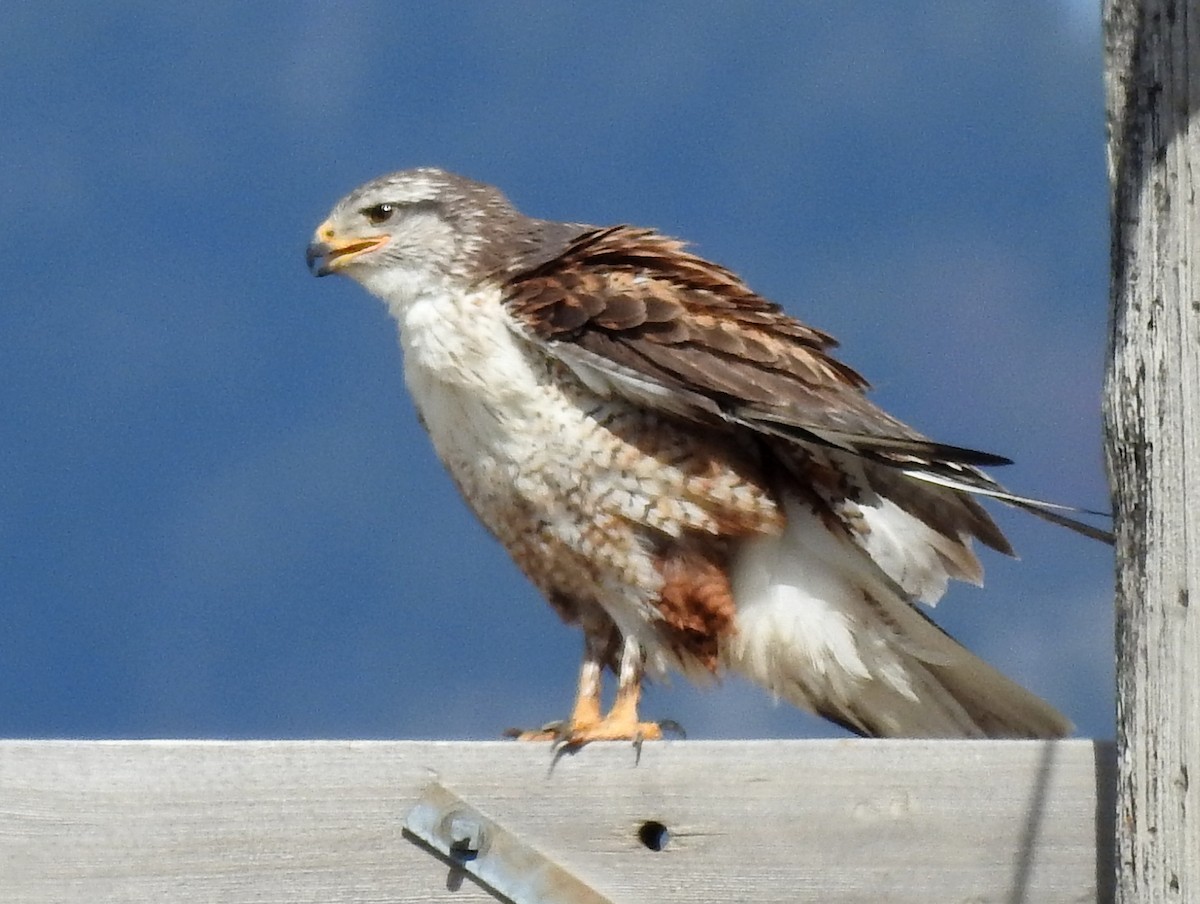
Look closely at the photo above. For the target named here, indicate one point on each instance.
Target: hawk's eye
(379, 214)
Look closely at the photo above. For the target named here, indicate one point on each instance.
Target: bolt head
(464, 832)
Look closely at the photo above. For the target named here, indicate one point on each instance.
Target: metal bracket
(497, 858)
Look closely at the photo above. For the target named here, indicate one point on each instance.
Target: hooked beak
(317, 258)
(328, 254)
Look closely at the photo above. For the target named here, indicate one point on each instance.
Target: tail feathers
(820, 625)
(1049, 511)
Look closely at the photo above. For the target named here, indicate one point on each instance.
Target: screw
(465, 833)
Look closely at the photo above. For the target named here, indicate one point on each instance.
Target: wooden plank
(771, 821)
(1152, 427)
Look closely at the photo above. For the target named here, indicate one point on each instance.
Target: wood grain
(769, 821)
(1152, 426)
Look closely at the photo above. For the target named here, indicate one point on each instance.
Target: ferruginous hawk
(681, 468)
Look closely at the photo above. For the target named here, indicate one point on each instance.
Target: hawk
(682, 469)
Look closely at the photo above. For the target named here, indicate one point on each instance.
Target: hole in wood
(654, 835)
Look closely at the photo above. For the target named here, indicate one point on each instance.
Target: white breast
(526, 445)
(468, 377)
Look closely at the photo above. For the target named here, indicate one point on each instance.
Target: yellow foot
(575, 733)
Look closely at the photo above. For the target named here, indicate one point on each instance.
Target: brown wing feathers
(639, 303)
(625, 277)
(640, 300)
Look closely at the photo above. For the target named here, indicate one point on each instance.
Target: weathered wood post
(1152, 424)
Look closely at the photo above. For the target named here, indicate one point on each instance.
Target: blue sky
(218, 515)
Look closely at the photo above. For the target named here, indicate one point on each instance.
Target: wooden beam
(769, 821)
(1152, 425)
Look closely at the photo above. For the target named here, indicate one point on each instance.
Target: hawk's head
(416, 229)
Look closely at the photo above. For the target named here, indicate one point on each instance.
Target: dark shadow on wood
(1035, 813)
(1106, 820)
(1105, 762)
